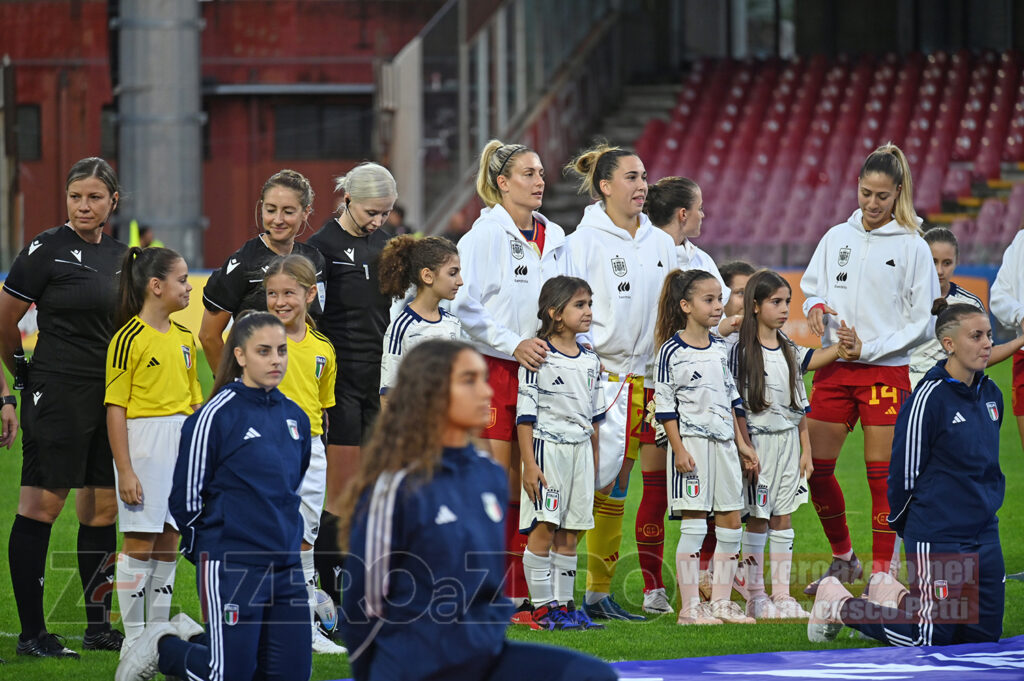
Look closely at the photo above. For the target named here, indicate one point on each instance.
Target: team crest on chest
(187, 352)
(844, 256)
(230, 614)
(293, 428)
(492, 507)
(518, 252)
(321, 362)
(619, 267)
(993, 410)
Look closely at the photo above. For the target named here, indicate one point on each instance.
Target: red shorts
(845, 392)
(504, 381)
(1018, 383)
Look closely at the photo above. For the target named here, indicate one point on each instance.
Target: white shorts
(567, 501)
(779, 481)
(312, 490)
(153, 450)
(715, 484)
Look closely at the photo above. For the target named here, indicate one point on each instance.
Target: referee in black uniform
(355, 318)
(286, 202)
(69, 272)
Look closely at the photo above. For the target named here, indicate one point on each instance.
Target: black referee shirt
(74, 286)
(238, 285)
(357, 313)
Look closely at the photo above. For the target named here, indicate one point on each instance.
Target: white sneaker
(760, 607)
(704, 585)
(186, 627)
(324, 645)
(789, 608)
(141, 662)
(656, 602)
(730, 612)
(824, 623)
(698, 613)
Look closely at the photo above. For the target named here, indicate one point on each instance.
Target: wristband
(815, 307)
(9, 399)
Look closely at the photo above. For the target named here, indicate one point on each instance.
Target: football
(326, 612)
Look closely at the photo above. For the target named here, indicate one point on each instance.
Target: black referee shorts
(357, 403)
(64, 426)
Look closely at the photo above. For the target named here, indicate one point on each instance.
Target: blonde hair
(299, 268)
(495, 161)
(290, 179)
(367, 181)
(596, 164)
(890, 160)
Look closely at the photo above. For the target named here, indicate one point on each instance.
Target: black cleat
(46, 645)
(107, 639)
(846, 571)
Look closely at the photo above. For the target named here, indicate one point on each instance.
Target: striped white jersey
(928, 353)
(695, 387)
(780, 415)
(562, 399)
(408, 330)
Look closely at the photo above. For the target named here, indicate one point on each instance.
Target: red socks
(515, 543)
(883, 539)
(830, 505)
(650, 529)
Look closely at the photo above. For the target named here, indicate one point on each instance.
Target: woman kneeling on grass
(946, 448)
(425, 537)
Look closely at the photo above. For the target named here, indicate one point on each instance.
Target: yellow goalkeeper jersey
(309, 379)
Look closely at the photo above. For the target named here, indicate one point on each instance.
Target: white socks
(309, 576)
(753, 561)
(780, 558)
(538, 577)
(724, 562)
(563, 568)
(692, 531)
(160, 590)
(131, 579)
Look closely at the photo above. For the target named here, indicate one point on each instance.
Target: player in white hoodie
(625, 259)
(1007, 300)
(507, 255)
(876, 272)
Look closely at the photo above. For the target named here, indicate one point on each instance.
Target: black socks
(97, 555)
(26, 553)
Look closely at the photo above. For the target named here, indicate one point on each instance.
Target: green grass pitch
(656, 639)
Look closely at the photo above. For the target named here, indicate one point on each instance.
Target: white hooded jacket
(502, 276)
(1007, 297)
(626, 274)
(882, 282)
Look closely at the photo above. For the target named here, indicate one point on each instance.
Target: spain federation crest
(692, 486)
(187, 351)
(518, 252)
(844, 256)
(550, 499)
(293, 428)
(321, 362)
(941, 589)
(993, 410)
(619, 267)
(230, 614)
(492, 507)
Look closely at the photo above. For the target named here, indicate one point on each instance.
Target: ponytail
(890, 160)
(678, 286)
(299, 268)
(495, 161)
(750, 358)
(666, 196)
(404, 257)
(138, 266)
(245, 326)
(594, 165)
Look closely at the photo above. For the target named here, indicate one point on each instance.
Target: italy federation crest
(762, 496)
(993, 410)
(230, 614)
(293, 428)
(321, 362)
(187, 351)
(941, 589)
(692, 486)
(550, 499)
(492, 507)
(844, 256)
(619, 267)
